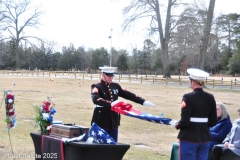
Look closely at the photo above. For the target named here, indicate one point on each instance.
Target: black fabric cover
(80, 150)
(52, 148)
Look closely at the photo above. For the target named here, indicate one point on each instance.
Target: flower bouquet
(44, 116)
(10, 109)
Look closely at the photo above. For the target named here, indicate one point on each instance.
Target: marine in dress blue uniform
(198, 113)
(104, 94)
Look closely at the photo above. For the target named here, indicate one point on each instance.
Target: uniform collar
(103, 82)
(197, 89)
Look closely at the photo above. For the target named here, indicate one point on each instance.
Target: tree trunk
(17, 52)
(164, 39)
(166, 73)
(205, 38)
(17, 59)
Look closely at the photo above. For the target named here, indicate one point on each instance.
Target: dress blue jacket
(219, 132)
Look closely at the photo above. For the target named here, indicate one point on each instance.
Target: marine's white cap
(109, 71)
(197, 74)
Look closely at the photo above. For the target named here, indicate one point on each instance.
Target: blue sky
(88, 23)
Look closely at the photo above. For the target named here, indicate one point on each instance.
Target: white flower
(10, 100)
(45, 116)
(11, 110)
(49, 127)
(11, 118)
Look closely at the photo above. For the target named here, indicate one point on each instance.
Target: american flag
(99, 135)
(128, 110)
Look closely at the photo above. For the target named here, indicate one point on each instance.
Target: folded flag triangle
(99, 135)
(127, 109)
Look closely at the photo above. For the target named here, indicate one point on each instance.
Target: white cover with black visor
(197, 74)
(109, 71)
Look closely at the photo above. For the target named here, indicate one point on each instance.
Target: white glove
(114, 102)
(148, 104)
(173, 123)
(90, 140)
(73, 139)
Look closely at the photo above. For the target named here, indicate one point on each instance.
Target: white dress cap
(108, 69)
(197, 74)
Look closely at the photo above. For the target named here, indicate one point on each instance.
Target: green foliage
(64, 63)
(70, 59)
(133, 61)
(227, 54)
(12, 44)
(157, 61)
(173, 66)
(144, 60)
(40, 121)
(7, 120)
(100, 58)
(38, 118)
(122, 63)
(9, 58)
(234, 63)
(55, 58)
(144, 56)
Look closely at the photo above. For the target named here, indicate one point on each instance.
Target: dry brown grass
(149, 141)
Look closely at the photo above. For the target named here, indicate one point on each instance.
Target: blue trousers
(193, 151)
(113, 134)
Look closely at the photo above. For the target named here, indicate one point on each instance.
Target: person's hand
(225, 144)
(230, 145)
(114, 102)
(90, 140)
(173, 123)
(148, 104)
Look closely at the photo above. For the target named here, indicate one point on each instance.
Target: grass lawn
(149, 141)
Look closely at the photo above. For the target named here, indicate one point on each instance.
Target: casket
(68, 130)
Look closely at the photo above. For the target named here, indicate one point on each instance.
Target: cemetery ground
(148, 140)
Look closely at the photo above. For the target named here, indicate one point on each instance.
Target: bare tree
(139, 9)
(206, 34)
(1, 14)
(18, 16)
(186, 36)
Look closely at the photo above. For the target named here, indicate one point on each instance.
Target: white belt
(193, 119)
(98, 105)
